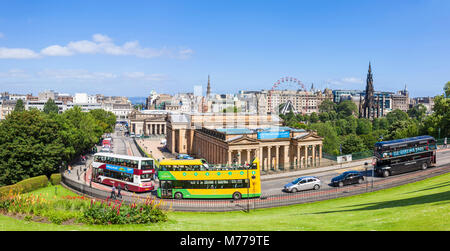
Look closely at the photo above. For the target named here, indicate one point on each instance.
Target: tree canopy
(34, 143)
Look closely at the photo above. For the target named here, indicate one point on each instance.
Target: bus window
(146, 164)
(146, 176)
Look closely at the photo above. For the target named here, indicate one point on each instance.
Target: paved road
(123, 145)
(274, 186)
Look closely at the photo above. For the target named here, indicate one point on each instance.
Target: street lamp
(365, 167)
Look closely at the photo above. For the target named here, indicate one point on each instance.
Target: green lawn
(423, 205)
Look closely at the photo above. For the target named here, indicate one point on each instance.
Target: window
(146, 164)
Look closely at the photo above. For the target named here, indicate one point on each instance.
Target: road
(125, 146)
(271, 187)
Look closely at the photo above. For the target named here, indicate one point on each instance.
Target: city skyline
(129, 50)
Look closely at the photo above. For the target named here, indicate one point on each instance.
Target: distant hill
(137, 100)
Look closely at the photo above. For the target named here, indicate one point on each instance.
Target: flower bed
(80, 209)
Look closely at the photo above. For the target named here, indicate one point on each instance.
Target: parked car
(184, 156)
(303, 183)
(347, 178)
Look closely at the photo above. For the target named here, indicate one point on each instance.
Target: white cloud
(100, 44)
(84, 47)
(56, 50)
(144, 76)
(100, 38)
(75, 74)
(14, 73)
(185, 53)
(2, 35)
(346, 81)
(17, 53)
(352, 80)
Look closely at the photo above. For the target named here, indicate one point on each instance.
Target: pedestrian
(118, 191)
(113, 192)
(445, 142)
(69, 169)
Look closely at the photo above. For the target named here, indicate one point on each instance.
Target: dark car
(347, 178)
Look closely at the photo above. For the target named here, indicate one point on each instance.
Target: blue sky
(132, 47)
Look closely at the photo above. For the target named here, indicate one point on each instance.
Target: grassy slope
(423, 205)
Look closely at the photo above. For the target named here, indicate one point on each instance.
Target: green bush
(55, 179)
(26, 185)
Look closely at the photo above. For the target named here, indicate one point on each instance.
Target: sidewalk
(315, 170)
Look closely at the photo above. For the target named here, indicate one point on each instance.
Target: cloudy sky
(132, 47)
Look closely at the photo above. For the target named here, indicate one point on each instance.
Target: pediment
(310, 136)
(242, 140)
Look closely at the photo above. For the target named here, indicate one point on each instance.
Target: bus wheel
(424, 166)
(237, 196)
(178, 196)
(385, 173)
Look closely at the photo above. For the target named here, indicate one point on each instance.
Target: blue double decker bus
(404, 155)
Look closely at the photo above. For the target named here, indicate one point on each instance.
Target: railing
(267, 200)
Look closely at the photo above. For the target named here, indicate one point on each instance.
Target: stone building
(148, 122)
(222, 139)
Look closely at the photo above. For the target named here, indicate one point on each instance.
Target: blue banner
(119, 169)
(273, 135)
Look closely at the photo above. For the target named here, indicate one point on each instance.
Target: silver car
(303, 183)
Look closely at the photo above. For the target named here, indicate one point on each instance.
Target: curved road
(272, 194)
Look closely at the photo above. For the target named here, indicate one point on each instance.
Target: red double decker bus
(134, 174)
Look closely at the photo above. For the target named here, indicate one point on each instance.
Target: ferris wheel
(286, 83)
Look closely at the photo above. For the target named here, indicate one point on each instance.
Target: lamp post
(365, 167)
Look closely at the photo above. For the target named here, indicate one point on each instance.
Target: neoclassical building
(239, 138)
(148, 123)
(277, 148)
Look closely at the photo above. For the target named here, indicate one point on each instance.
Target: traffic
(185, 177)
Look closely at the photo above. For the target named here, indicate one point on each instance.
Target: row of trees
(345, 133)
(34, 143)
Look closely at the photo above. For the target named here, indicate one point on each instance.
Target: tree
(447, 89)
(402, 129)
(327, 106)
(30, 146)
(324, 116)
(346, 108)
(50, 107)
(396, 115)
(19, 106)
(364, 126)
(352, 144)
(418, 112)
(330, 137)
(313, 118)
(438, 123)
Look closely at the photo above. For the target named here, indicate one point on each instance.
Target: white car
(303, 183)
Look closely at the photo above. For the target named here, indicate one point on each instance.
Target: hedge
(55, 179)
(26, 185)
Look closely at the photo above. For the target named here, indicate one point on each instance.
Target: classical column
(269, 158)
(239, 157)
(306, 156)
(286, 157)
(313, 155)
(277, 158)
(320, 153)
(261, 158)
(248, 156)
(299, 158)
(229, 157)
